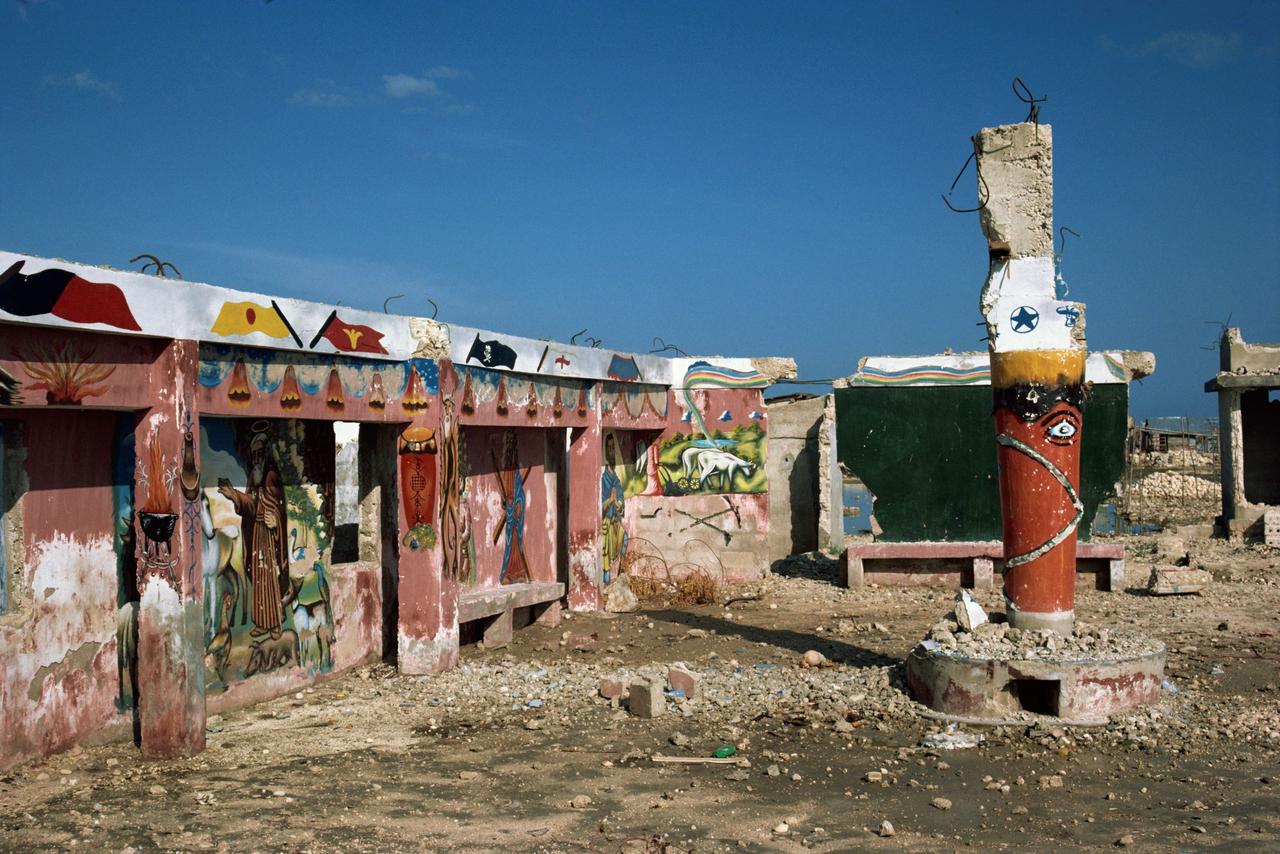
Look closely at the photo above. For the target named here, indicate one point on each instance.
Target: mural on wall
(64, 295)
(613, 510)
(451, 514)
(124, 542)
(268, 530)
(624, 368)
(634, 399)
(728, 459)
(418, 486)
(338, 381)
(156, 518)
(65, 372)
(481, 386)
(511, 487)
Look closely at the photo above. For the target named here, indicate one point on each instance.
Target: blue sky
(745, 179)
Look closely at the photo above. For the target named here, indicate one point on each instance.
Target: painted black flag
(492, 354)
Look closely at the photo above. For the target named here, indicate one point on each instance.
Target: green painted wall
(928, 454)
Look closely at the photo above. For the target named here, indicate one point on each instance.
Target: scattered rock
(886, 828)
(782, 828)
(618, 598)
(812, 658)
(940, 803)
(468, 776)
(612, 689)
(1125, 841)
(580, 802)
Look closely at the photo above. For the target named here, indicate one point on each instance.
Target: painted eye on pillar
(1062, 429)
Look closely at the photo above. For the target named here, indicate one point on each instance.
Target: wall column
(586, 462)
(170, 667)
(428, 545)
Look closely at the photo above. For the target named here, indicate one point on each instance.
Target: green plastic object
(724, 751)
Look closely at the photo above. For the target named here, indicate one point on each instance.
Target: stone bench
(497, 605)
(929, 563)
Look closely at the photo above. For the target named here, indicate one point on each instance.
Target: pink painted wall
(58, 682)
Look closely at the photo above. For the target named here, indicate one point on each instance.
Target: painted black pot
(158, 527)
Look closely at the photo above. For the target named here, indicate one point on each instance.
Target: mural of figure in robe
(268, 530)
(264, 520)
(613, 508)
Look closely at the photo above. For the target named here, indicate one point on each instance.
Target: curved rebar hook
(661, 346)
(1062, 240)
(389, 299)
(435, 309)
(1033, 103)
(984, 192)
(573, 339)
(157, 264)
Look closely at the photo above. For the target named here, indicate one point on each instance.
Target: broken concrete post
(645, 699)
(1038, 354)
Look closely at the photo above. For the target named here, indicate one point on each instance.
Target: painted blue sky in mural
(736, 178)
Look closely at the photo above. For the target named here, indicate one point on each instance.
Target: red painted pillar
(428, 538)
(170, 667)
(586, 460)
(1038, 395)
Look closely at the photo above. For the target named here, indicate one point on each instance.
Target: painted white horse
(221, 551)
(721, 463)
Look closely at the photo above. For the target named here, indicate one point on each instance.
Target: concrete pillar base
(428, 655)
(1070, 690)
(1062, 622)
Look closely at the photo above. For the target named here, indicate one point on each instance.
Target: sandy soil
(515, 750)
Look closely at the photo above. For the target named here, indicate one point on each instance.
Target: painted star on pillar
(1024, 319)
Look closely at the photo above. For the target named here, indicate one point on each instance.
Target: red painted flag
(350, 337)
(90, 302)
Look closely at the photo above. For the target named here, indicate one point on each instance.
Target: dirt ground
(515, 750)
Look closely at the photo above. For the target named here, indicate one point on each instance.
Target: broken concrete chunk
(612, 689)
(681, 678)
(1167, 580)
(618, 597)
(969, 614)
(645, 699)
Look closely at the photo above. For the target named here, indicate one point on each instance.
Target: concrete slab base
(994, 689)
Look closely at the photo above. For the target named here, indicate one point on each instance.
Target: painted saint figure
(264, 520)
(612, 511)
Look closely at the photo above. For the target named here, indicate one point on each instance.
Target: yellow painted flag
(244, 318)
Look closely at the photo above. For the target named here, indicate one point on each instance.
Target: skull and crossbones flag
(492, 354)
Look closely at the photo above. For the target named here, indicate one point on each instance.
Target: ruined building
(173, 542)
(1249, 436)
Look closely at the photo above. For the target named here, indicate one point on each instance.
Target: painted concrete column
(1231, 453)
(170, 667)
(428, 535)
(586, 463)
(1037, 345)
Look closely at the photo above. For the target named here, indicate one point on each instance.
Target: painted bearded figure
(264, 521)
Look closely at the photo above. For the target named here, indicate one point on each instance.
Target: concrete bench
(496, 605)
(931, 563)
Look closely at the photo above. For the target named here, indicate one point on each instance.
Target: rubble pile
(727, 691)
(969, 632)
